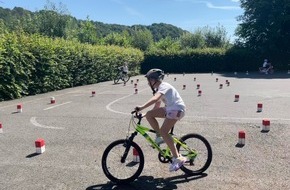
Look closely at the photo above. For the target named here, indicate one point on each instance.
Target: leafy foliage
(265, 27)
(35, 64)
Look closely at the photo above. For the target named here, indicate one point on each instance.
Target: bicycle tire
(126, 78)
(116, 79)
(204, 153)
(109, 155)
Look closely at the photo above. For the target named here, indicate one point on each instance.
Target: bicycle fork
(127, 146)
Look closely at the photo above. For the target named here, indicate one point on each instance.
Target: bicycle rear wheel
(126, 78)
(119, 161)
(195, 144)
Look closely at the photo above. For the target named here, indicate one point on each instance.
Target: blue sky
(186, 14)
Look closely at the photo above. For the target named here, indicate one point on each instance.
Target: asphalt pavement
(79, 126)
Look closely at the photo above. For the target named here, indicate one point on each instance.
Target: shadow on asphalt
(32, 155)
(256, 75)
(149, 182)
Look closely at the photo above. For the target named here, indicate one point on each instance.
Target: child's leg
(151, 117)
(164, 132)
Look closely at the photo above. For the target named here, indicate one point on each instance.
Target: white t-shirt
(265, 64)
(171, 97)
(125, 69)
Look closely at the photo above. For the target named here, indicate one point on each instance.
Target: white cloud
(212, 6)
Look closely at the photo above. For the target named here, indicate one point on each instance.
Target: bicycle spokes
(118, 161)
(199, 158)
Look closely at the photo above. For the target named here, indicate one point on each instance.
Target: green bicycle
(119, 166)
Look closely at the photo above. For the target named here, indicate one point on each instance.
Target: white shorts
(174, 114)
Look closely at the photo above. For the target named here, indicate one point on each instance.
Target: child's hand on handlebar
(137, 108)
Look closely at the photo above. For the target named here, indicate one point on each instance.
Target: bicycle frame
(165, 153)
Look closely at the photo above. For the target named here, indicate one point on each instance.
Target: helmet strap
(152, 87)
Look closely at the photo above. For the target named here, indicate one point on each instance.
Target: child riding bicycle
(124, 69)
(173, 111)
(267, 67)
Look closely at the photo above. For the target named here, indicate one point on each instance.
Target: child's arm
(154, 100)
(157, 105)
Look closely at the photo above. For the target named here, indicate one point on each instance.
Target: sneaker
(159, 140)
(177, 163)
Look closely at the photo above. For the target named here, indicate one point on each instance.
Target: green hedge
(194, 60)
(35, 64)
(210, 59)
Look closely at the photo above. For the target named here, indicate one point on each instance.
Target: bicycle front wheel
(126, 78)
(122, 161)
(198, 152)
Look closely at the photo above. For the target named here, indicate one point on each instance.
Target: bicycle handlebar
(138, 116)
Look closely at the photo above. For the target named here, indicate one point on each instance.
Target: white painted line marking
(35, 123)
(34, 100)
(196, 117)
(111, 103)
(56, 106)
(104, 92)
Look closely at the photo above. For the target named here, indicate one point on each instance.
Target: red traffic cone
(242, 137)
(19, 108)
(1, 129)
(52, 100)
(266, 125)
(259, 107)
(136, 157)
(40, 146)
(237, 97)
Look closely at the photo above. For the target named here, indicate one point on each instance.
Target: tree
(195, 40)
(52, 21)
(167, 44)
(215, 37)
(117, 39)
(265, 26)
(87, 32)
(142, 39)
